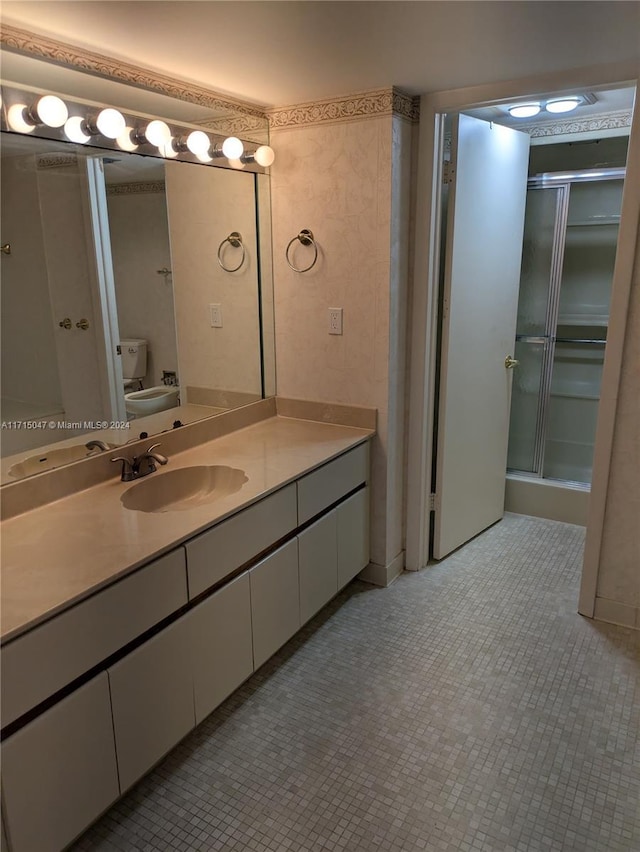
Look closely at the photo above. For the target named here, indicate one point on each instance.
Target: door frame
(423, 331)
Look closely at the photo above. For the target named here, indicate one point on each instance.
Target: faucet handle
(152, 447)
(127, 468)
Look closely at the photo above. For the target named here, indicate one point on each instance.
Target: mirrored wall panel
(136, 296)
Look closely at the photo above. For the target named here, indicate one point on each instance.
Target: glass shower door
(581, 331)
(546, 212)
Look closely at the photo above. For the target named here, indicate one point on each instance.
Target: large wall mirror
(137, 291)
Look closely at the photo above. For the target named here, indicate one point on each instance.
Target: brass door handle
(65, 323)
(83, 324)
(510, 362)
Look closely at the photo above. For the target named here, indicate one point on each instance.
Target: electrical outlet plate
(335, 320)
(216, 315)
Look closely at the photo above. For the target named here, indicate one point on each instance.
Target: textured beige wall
(341, 181)
(619, 574)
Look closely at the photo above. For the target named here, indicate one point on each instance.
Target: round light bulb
(524, 110)
(562, 105)
(232, 148)
(167, 150)
(51, 110)
(74, 130)
(157, 133)
(110, 123)
(264, 155)
(198, 143)
(16, 119)
(125, 140)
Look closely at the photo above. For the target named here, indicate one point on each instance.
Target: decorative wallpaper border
(56, 160)
(135, 187)
(43, 47)
(605, 121)
(379, 102)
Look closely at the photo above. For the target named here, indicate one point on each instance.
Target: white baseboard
(383, 575)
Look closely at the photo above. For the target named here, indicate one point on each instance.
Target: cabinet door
(222, 647)
(59, 772)
(152, 700)
(45, 659)
(353, 536)
(213, 555)
(326, 485)
(318, 565)
(275, 602)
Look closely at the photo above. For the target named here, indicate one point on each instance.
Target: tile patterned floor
(467, 708)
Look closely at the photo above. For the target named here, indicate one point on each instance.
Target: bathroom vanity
(123, 629)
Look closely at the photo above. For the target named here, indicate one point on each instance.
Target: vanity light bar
(49, 116)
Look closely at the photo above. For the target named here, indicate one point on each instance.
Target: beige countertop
(58, 554)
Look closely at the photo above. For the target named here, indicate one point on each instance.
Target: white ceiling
(278, 52)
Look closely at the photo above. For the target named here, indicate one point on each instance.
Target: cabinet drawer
(152, 700)
(353, 536)
(36, 665)
(318, 564)
(221, 644)
(214, 554)
(59, 772)
(275, 604)
(328, 484)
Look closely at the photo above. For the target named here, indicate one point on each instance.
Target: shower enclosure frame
(562, 182)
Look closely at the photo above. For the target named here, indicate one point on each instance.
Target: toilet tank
(134, 358)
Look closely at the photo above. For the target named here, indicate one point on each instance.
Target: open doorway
(547, 417)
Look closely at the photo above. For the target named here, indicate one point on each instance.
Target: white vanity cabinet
(352, 518)
(213, 555)
(59, 771)
(318, 565)
(98, 694)
(152, 700)
(221, 644)
(275, 607)
(47, 658)
(332, 482)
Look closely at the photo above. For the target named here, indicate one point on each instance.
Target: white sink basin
(48, 459)
(184, 488)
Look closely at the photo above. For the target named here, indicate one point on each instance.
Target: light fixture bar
(51, 116)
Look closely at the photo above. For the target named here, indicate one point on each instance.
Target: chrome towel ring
(306, 238)
(234, 239)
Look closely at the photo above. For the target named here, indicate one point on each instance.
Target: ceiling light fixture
(524, 110)
(562, 105)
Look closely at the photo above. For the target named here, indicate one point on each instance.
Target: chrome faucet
(148, 460)
(142, 465)
(97, 445)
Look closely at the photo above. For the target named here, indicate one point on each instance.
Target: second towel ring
(234, 239)
(306, 238)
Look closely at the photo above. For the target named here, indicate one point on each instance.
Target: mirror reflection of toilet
(134, 363)
(143, 401)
